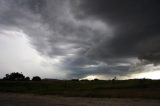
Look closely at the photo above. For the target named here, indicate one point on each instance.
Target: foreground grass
(110, 89)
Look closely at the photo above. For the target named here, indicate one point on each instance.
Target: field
(143, 88)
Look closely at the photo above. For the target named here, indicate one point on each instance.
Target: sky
(84, 39)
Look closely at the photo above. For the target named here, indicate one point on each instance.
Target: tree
(115, 78)
(36, 78)
(27, 79)
(96, 79)
(15, 76)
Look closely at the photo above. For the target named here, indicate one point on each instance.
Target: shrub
(27, 79)
(36, 78)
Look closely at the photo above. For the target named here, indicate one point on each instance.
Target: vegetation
(136, 88)
(36, 78)
(16, 76)
(27, 79)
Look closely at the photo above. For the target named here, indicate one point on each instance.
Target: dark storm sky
(87, 37)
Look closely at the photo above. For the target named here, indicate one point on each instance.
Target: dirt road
(9, 99)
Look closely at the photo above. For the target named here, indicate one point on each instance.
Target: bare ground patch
(13, 99)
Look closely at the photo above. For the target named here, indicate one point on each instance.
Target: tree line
(16, 76)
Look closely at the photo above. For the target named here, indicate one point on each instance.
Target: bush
(75, 79)
(27, 79)
(36, 78)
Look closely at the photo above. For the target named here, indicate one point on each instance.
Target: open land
(141, 92)
(12, 99)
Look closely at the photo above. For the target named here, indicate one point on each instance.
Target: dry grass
(145, 89)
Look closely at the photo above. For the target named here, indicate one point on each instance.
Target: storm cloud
(89, 37)
(135, 23)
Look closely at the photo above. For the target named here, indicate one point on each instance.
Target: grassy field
(111, 89)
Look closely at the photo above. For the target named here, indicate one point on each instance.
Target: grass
(112, 89)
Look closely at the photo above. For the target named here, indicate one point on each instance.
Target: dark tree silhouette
(36, 78)
(115, 78)
(15, 76)
(96, 79)
(27, 79)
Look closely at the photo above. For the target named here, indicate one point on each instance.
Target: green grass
(111, 89)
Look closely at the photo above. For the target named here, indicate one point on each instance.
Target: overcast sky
(67, 39)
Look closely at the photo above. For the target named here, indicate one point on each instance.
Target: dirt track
(9, 99)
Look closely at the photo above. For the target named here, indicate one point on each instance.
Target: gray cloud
(136, 25)
(88, 37)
